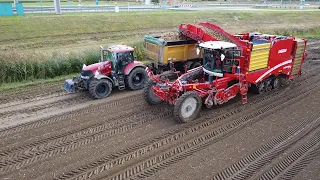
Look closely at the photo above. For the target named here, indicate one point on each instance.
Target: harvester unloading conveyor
(206, 31)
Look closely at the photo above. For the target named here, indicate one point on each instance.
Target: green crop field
(36, 46)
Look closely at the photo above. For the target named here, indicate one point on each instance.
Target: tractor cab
(219, 57)
(119, 56)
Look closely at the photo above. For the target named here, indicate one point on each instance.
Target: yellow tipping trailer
(181, 52)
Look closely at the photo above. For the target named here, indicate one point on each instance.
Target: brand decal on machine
(282, 51)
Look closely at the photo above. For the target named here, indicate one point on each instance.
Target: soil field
(48, 134)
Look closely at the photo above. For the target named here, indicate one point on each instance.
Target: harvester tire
(276, 83)
(100, 88)
(195, 64)
(148, 94)
(137, 78)
(260, 87)
(187, 107)
(268, 84)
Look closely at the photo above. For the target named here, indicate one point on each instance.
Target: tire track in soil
(34, 109)
(114, 120)
(296, 161)
(165, 159)
(70, 115)
(77, 139)
(55, 129)
(136, 151)
(249, 165)
(37, 148)
(30, 93)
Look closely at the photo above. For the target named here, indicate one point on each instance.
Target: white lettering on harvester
(282, 51)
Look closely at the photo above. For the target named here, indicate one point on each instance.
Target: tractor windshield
(111, 56)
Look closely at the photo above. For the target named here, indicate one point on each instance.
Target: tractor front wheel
(187, 107)
(148, 94)
(100, 88)
(137, 78)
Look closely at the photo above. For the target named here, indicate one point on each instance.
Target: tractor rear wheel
(148, 93)
(137, 78)
(187, 107)
(100, 88)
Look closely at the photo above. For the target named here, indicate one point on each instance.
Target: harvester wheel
(149, 95)
(260, 87)
(100, 88)
(187, 107)
(137, 78)
(276, 83)
(195, 64)
(268, 84)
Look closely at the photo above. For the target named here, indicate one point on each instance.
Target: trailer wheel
(188, 64)
(195, 64)
(148, 93)
(100, 88)
(137, 78)
(260, 87)
(172, 76)
(187, 107)
(276, 83)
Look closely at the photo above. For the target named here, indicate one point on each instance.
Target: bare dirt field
(48, 134)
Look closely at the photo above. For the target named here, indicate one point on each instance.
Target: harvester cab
(220, 57)
(116, 68)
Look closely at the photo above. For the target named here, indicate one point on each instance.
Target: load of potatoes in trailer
(172, 47)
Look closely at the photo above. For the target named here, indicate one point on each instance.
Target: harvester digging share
(231, 65)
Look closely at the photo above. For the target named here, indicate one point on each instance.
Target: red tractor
(116, 68)
(250, 60)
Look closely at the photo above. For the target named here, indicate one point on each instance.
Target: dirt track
(47, 134)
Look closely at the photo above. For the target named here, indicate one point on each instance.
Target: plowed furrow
(112, 122)
(33, 109)
(296, 161)
(165, 159)
(35, 124)
(139, 150)
(245, 168)
(27, 157)
(32, 92)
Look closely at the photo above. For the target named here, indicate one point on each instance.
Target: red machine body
(263, 60)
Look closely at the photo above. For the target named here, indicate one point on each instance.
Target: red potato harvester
(231, 64)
